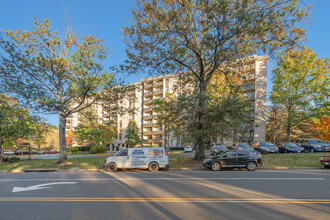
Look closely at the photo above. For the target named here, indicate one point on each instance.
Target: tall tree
(58, 73)
(200, 37)
(91, 131)
(132, 134)
(301, 85)
(15, 121)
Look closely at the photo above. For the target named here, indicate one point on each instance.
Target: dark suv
(313, 145)
(235, 158)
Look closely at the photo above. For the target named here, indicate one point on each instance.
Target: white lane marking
(161, 178)
(40, 186)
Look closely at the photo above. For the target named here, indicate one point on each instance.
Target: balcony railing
(251, 97)
(147, 109)
(158, 92)
(147, 133)
(157, 132)
(147, 124)
(147, 102)
(249, 66)
(157, 140)
(158, 84)
(147, 94)
(147, 141)
(249, 86)
(147, 86)
(146, 117)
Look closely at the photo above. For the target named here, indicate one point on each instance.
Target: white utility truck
(152, 158)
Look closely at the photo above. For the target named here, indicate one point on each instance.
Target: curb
(169, 169)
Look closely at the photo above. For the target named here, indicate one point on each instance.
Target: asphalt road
(263, 194)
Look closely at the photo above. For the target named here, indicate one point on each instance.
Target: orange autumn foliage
(69, 138)
(323, 127)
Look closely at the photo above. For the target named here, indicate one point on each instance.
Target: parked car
(313, 145)
(265, 147)
(244, 146)
(325, 161)
(218, 149)
(40, 152)
(9, 152)
(188, 149)
(235, 158)
(288, 147)
(151, 158)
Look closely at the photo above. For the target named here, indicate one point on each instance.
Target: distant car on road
(288, 147)
(218, 149)
(235, 158)
(188, 149)
(9, 152)
(265, 147)
(325, 161)
(313, 145)
(244, 146)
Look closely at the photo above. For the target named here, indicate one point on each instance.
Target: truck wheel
(112, 167)
(153, 167)
(251, 166)
(312, 150)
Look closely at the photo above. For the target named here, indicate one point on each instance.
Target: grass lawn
(176, 161)
(292, 160)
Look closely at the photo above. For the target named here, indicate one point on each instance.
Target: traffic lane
(134, 185)
(294, 185)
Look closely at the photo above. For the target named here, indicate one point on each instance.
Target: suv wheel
(215, 166)
(312, 150)
(153, 167)
(251, 166)
(326, 166)
(112, 167)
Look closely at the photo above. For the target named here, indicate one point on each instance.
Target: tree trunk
(63, 149)
(288, 133)
(200, 154)
(1, 148)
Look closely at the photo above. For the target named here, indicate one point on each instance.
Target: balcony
(248, 76)
(148, 94)
(249, 67)
(148, 101)
(147, 117)
(147, 125)
(158, 92)
(147, 141)
(147, 133)
(147, 109)
(158, 84)
(148, 86)
(251, 96)
(159, 140)
(157, 132)
(250, 86)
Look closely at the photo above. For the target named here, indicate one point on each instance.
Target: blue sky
(104, 18)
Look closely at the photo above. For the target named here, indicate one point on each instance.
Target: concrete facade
(254, 75)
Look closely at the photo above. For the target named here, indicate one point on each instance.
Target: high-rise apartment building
(255, 79)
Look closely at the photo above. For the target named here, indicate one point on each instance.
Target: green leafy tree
(57, 73)
(132, 134)
(301, 86)
(43, 130)
(91, 132)
(201, 37)
(15, 122)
